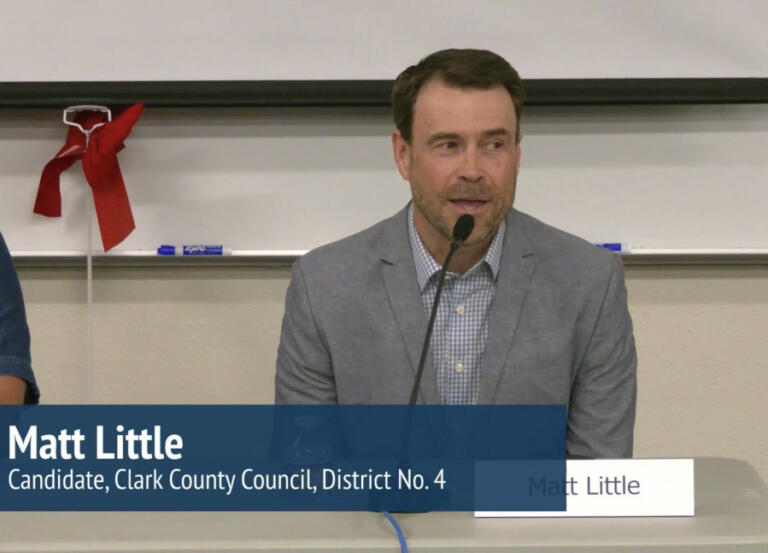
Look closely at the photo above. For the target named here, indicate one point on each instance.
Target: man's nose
(470, 168)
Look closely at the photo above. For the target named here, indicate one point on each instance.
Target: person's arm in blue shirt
(17, 381)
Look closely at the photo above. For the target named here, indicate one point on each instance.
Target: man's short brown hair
(465, 68)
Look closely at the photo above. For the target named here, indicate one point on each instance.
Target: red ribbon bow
(102, 172)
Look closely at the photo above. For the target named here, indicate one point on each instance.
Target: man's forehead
(438, 87)
(440, 107)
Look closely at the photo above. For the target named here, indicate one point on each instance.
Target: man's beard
(486, 224)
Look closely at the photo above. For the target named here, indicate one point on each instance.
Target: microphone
(461, 231)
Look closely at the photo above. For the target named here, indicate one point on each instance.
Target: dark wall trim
(369, 92)
(278, 260)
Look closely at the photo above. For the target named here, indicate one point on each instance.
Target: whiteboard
(657, 177)
(663, 177)
(115, 40)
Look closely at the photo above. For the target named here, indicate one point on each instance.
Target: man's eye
(495, 145)
(448, 145)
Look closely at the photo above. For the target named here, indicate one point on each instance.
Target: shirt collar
(426, 266)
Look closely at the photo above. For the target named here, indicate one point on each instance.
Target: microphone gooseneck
(461, 231)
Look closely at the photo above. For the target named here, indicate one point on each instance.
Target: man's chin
(483, 232)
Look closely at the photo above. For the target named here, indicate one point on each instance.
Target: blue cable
(398, 531)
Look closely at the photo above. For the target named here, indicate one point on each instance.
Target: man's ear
(402, 153)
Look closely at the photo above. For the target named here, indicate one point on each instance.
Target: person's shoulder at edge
(14, 343)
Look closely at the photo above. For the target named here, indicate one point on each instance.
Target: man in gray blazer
(529, 314)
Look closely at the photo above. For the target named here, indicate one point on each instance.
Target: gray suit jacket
(559, 330)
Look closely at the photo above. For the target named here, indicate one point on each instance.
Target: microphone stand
(461, 231)
(428, 338)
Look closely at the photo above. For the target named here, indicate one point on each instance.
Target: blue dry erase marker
(194, 249)
(618, 247)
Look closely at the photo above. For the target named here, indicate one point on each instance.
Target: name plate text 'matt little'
(616, 488)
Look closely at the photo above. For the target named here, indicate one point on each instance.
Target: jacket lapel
(517, 266)
(399, 276)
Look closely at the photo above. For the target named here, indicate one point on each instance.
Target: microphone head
(463, 228)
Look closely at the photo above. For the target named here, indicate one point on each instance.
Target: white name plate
(617, 488)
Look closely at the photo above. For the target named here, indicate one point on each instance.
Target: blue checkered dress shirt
(461, 323)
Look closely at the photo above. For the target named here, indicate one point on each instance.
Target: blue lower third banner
(281, 458)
